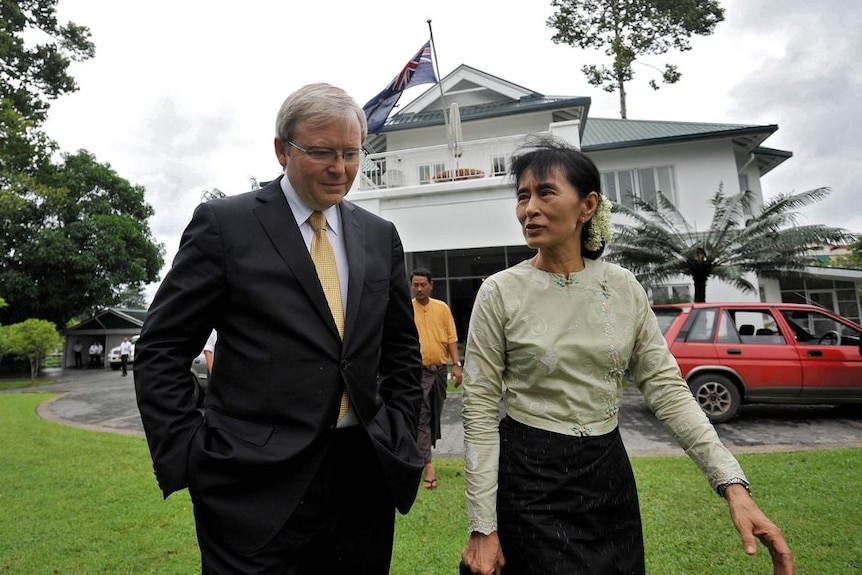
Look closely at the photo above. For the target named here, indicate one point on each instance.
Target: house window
(837, 296)
(498, 164)
(425, 174)
(645, 183)
(427, 171)
(743, 182)
(743, 187)
(671, 293)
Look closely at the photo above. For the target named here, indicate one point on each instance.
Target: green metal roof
(532, 103)
(610, 133)
(768, 158)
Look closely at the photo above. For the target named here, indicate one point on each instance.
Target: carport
(108, 327)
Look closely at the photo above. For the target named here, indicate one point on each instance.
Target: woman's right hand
(483, 555)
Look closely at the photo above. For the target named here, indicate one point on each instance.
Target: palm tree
(662, 244)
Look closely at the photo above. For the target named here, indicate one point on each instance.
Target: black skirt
(567, 505)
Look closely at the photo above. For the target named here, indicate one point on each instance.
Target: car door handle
(734, 351)
(815, 353)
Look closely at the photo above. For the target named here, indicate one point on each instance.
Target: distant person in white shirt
(94, 352)
(125, 353)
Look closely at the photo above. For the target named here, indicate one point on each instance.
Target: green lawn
(7, 384)
(83, 502)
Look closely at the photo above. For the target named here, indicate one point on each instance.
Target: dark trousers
(345, 523)
(433, 396)
(79, 360)
(124, 362)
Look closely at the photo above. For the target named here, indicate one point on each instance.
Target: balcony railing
(435, 164)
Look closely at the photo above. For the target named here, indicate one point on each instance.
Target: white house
(444, 186)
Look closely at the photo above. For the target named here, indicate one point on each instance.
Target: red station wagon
(735, 353)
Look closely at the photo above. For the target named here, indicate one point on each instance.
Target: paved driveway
(104, 400)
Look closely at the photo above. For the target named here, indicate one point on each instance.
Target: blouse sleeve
(484, 366)
(656, 374)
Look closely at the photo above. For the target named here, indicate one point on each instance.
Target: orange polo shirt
(436, 328)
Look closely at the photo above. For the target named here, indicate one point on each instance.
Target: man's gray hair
(317, 104)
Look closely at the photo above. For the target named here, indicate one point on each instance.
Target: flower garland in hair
(600, 229)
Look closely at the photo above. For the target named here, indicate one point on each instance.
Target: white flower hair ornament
(600, 228)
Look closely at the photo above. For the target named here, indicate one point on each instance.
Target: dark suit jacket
(243, 268)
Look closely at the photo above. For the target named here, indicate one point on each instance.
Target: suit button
(344, 365)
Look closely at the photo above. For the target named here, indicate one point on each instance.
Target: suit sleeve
(177, 325)
(400, 360)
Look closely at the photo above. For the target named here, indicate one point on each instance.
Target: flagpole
(442, 96)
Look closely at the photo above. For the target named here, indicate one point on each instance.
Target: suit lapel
(274, 214)
(354, 242)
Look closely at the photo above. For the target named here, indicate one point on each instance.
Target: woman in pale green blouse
(550, 488)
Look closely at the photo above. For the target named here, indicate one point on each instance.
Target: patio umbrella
(454, 134)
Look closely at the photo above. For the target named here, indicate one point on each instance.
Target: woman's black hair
(542, 154)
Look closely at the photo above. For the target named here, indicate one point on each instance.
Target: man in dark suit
(280, 481)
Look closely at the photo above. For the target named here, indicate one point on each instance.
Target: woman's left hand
(753, 524)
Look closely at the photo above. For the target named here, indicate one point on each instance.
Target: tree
(627, 29)
(74, 241)
(33, 339)
(661, 244)
(852, 259)
(24, 152)
(35, 51)
(132, 297)
(4, 345)
(73, 234)
(4, 341)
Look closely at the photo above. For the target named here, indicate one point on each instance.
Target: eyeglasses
(328, 156)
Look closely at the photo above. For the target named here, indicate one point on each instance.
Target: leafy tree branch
(629, 29)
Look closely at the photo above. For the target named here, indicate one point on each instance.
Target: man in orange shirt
(438, 342)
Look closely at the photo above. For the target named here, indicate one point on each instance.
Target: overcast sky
(182, 96)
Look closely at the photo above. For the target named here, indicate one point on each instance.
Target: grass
(83, 502)
(6, 384)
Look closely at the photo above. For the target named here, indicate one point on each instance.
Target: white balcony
(415, 189)
(437, 164)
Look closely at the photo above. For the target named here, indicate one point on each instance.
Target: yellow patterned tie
(327, 270)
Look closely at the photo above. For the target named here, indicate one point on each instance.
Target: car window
(702, 326)
(752, 327)
(665, 317)
(815, 328)
(727, 330)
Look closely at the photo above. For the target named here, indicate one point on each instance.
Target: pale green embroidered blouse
(556, 351)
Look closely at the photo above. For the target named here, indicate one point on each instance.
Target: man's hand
(457, 374)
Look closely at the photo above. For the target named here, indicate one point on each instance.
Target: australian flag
(419, 70)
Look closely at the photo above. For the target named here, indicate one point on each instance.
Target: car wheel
(716, 395)
(115, 366)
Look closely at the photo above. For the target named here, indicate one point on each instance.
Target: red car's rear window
(665, 317)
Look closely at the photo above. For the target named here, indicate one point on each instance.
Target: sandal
(429, 483)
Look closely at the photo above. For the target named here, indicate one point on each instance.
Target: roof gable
(468, 87)
(479, 96)
(113, 318)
